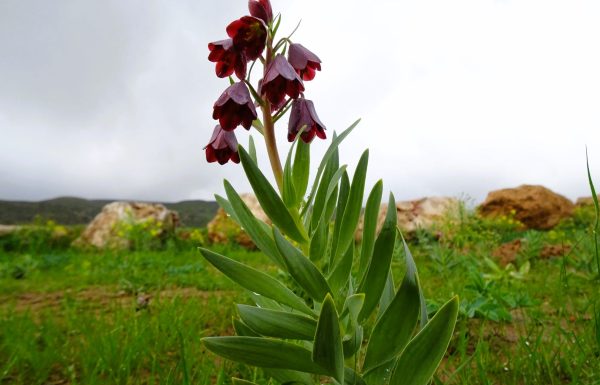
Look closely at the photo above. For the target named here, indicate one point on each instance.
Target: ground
(136, 317)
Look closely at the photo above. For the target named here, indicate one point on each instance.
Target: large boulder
(536, 207)
(417, 214)
(108, 228)
(222, 229)
(8, 229)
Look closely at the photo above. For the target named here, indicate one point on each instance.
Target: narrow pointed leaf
(241, 329)
(370, 225)
(341, 272)
(410, 262)
(225, 205)
(352, 378)
(239, 381)
(252, 226)
(318, 242)
(389, 292)
(421, 357)
(264, 353)
(301, 170)
(328, 352)
(270, 202)
(330, 150)
(319, 200)
(339, 212)
(393, 330)
(373, 284)
(353, 206)
(302, 270)
(252, 149)
(289, 193)
(278, 324)
(256, 281)
(331, 190)
(289, 377)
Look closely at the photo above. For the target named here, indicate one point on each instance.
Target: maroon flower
(280, 80)
(249, 35)
(304, 115)
(228, 59)
(261, 9)
(222, 147)
(235, 107)
(304, 62)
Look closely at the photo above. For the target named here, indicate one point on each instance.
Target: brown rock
(222, 229)
(105, 230)
(553, 251)
(585, 201)
(507, 252)
(417, 214)
(536, 207)
(8, 229)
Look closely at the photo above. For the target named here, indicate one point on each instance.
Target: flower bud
(261, 9)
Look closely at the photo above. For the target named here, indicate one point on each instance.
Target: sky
(113, 99)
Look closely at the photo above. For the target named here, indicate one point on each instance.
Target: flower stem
(270, 141)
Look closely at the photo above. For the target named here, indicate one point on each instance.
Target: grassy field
(530, 308)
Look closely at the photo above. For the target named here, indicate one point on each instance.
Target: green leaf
(352, 342)
(289, 193)
(372, 285)
(410, 261)
(421, 357)
(264, 353)
(252, 226)
(352, 378)
(301, 170)
(318, 242)
(241, 329)
(225, 205)
(264, 302)
(339, 212)
(279, 324)
(327, 348)
(597, 209)
(370, 225)
(289, 377)
(380, 375)
(302, 270)
(341, 272)
(353, 206)
(256, 281)
(320, 199)
(330, 151)
(389, 292)
(239, 381)
(393, 330)
(252, 149)
(320, 212)
(270, 202)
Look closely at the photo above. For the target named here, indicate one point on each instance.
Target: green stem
(269, 127)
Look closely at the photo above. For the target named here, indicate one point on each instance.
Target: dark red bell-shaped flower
(304, 62)
(280, 80)
(303, 114)
(228, 59)
(235, 107)
(249, 35)
(222, 147)
(261, 9)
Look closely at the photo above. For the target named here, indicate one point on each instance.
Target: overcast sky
(113, 98)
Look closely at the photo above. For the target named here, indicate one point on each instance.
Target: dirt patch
(100, 297)
(507, 252)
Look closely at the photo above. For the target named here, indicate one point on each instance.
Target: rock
(585, 201)
(536, 207)
(417, 214)
(8, 229)
(105, 230)
(222, 229)
(554, 251)
(507, 252)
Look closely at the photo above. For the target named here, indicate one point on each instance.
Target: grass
(75, 317)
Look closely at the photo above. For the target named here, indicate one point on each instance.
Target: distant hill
(76, 211)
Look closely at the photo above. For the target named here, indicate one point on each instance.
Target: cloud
(113, 99)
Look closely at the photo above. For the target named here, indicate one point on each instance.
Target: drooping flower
(235, 107)
(280, 80)
(249, 35)
(222, 147)
(304, 62)
(303, 114)
(261, 9)
(228, 59)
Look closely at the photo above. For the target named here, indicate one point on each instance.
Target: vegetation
(137, 317)
(77, 211)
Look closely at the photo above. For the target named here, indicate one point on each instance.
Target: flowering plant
(338, 316)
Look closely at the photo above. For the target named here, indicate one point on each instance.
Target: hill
(76, 211)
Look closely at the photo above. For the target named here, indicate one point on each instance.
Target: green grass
(72, 317)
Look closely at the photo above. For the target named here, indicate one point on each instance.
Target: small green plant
(336, 315)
